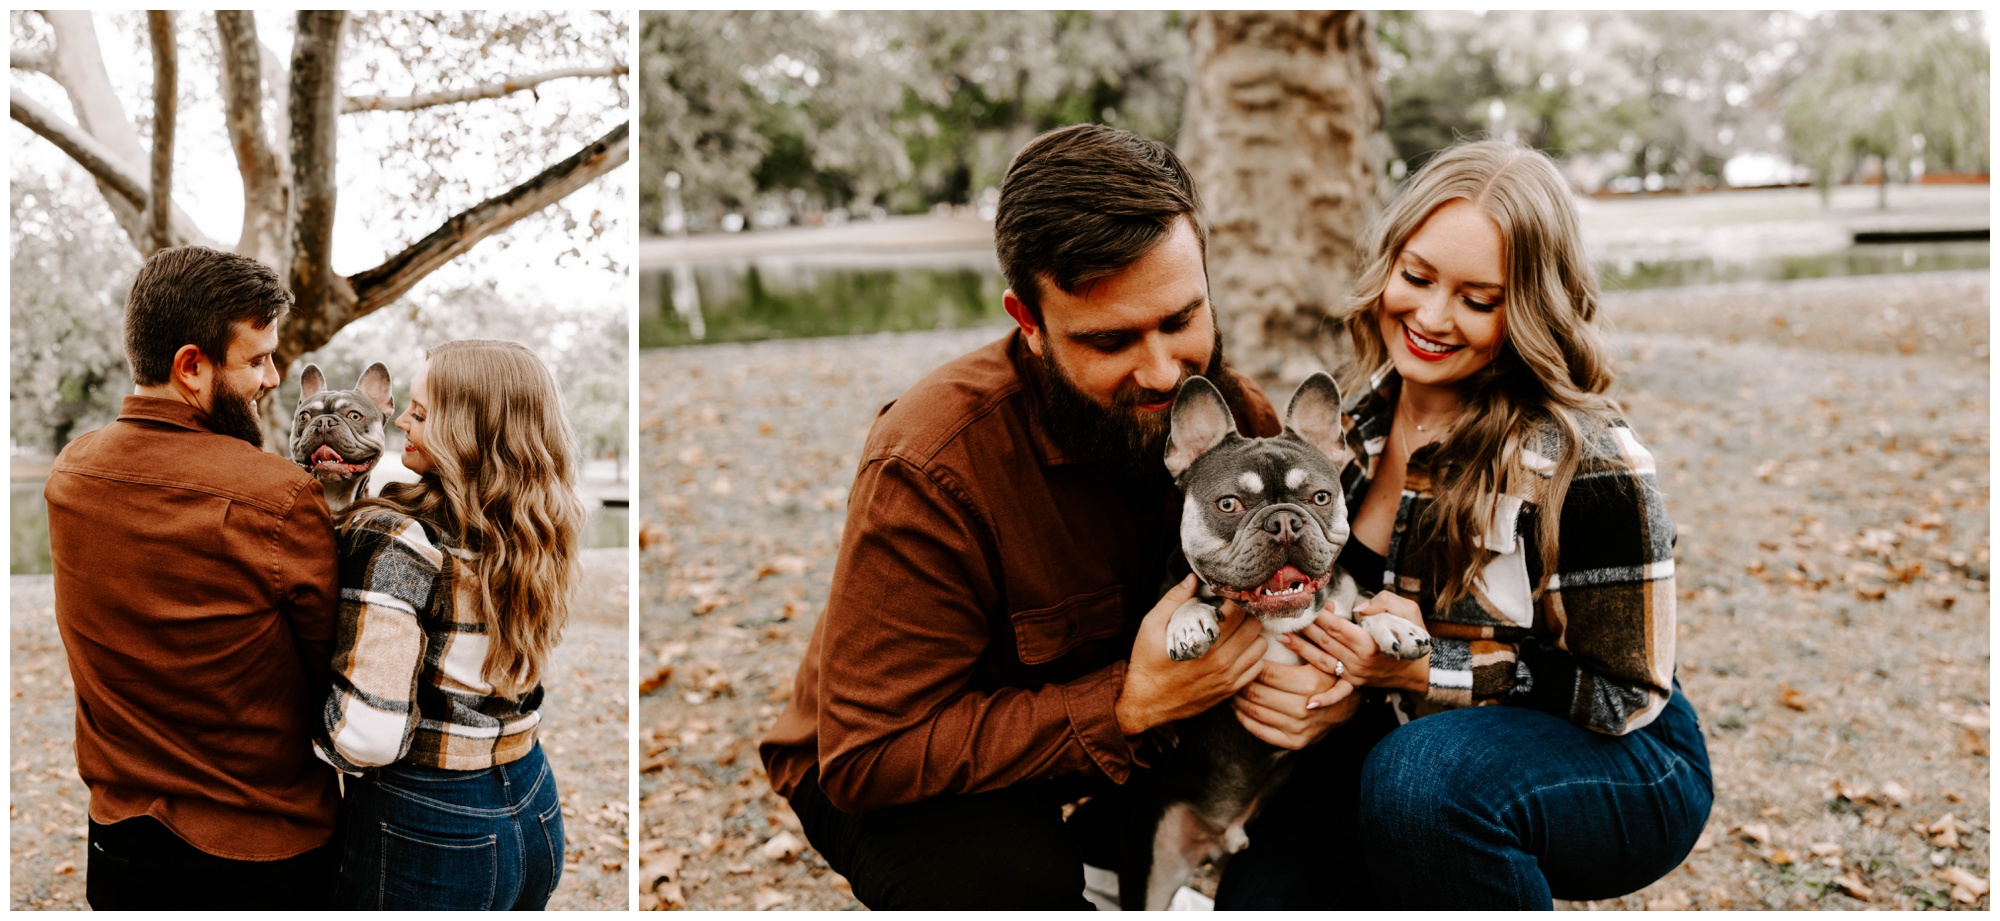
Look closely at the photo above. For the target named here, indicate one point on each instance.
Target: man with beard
(994, 644)
(195, 591)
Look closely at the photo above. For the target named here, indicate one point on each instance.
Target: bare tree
(288, 168)
(1284, 135)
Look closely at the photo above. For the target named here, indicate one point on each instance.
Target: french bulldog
(1263, 522)
(338, 435)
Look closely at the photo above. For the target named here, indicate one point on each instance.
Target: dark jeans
(423, 838)
(140, 864)
(1490, 807)
(1487, 807)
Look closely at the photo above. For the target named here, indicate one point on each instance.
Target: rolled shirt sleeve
(389, 574)
(902, 718)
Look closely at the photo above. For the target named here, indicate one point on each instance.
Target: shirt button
(1075, 630)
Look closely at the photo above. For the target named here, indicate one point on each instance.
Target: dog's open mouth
(1288, 590)
(328, 464)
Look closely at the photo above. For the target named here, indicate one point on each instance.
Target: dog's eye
(351, 414)
(1322, 497)
(1229, 504)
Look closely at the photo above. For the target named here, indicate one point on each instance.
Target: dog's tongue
(1285, 577)
(327, 453)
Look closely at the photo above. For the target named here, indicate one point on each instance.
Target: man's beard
(235, 414)
(1120, 437)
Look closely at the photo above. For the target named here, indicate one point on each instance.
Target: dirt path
(1824, 447)
(584, 738)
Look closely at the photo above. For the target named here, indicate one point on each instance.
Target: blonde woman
(454, 592)
(1498, 496)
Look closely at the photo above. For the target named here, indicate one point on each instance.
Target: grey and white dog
(1263, 523)
(338, 435)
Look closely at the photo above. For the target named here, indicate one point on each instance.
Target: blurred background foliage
(775, 117)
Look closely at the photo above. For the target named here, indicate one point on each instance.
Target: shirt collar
(141, 408)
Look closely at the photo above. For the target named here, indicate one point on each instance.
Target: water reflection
(747, 300)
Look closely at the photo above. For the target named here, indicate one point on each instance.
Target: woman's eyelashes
(1417, 281)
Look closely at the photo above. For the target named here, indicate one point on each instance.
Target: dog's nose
(1283, 525)
(326, 423)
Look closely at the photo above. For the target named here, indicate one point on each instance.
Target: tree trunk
(1284, 136)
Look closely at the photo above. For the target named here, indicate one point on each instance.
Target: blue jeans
(1487, 807)
(423, 838)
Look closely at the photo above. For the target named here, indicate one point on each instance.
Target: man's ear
(1030, 327)
(191, 369)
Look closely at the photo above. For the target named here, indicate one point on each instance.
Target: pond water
(748, 300)
(28, 529)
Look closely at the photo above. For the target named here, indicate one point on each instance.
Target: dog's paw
(1191, 630)
(1397, 637)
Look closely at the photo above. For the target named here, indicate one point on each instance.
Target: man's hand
(1159, 690)
(1274, 707)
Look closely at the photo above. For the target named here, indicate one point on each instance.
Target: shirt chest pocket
(1046, 634)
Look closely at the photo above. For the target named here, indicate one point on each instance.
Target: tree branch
(243, 103)
(314, 106)
(166, 82)
(103, 165)
(492, 90)
(382, 285)
(22, 59)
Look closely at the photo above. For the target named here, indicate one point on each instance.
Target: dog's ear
(1314, 415)
(374, 385)
(1200, 421)
(310, 382)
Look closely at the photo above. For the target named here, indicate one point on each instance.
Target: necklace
(1403, 434)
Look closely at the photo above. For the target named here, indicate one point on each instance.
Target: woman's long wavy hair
(502, 485)
(1552, 367)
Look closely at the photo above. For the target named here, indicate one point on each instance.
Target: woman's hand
(1339, 648)
(1276, 707)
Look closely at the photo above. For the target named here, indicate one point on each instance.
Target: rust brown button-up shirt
(195, 588)
(985, 600)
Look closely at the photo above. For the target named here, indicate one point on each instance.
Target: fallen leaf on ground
(1896, 793)
(1854, 887)
(786, 846)
(768, 897)
(1759, 833)
(655, 680)
(782, 566)
(1957, 876)
(1676, 900)
(1791, 697)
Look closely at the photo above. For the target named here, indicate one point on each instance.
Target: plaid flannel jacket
(409, 660)
(1595, 647)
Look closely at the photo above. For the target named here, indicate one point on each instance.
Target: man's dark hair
(1083, 202)
(191, 295)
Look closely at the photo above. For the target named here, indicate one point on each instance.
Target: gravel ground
(584, 735)
(1824, 447)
